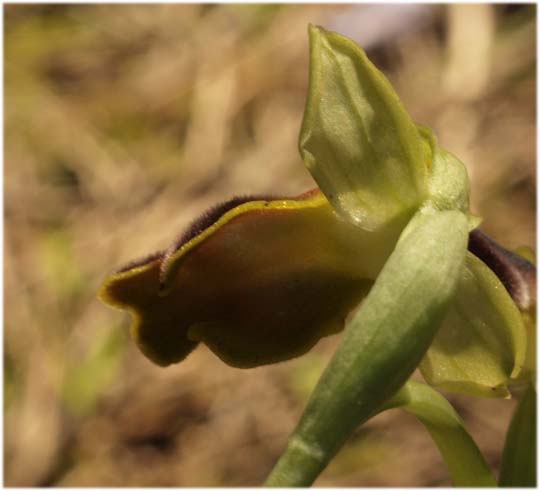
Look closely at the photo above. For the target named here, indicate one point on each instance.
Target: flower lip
(261, 284)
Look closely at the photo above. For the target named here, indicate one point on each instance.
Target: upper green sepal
(357, 140)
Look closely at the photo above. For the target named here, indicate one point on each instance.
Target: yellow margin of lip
(311, 199)
(303, 201)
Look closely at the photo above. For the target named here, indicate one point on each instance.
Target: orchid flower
(386, 246)
(261, 279)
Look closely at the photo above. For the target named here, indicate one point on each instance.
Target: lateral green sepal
(482, 343)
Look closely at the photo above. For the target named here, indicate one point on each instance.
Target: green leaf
(518, 467)
(466, 464)
(357, 140)
(382, 345)
(482, 343)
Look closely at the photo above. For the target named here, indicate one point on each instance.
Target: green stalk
(382, 345)
(518, 467)
(466, 464)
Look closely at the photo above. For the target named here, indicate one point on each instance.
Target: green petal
(262, 284)
(481, 345)
(448, 182)
(357, 140)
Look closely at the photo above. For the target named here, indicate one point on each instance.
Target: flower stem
(466, 464)
(382, 345)
(518, 467)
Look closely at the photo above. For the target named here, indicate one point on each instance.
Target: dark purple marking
(516, 273)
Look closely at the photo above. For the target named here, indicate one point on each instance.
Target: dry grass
(121, 124)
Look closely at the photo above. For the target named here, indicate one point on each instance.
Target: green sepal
(357, 140)
(482, 343)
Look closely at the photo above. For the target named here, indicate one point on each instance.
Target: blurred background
(123, 123)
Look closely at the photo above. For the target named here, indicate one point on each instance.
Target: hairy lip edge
(516, 273)
(198, 225)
